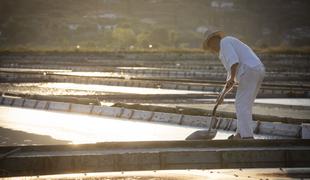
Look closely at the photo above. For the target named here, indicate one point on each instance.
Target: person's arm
(233, 71)
(229, 83)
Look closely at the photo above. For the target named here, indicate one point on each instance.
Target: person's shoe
(238, 137)
(248, 138)
(234, 137)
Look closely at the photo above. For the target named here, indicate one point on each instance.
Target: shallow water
(105, 88)
(280, 101)
(285, 101)
(79, 128)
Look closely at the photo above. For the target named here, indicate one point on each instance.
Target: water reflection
(118, 89)
(79, 128)
(87, 129)
(90, 74)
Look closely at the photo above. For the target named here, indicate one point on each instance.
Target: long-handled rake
(210, 133)
(205, 134)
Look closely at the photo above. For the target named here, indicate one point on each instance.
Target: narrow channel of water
(78, 128)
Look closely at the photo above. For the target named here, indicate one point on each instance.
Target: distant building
(108, 16)
(105, 15)
(73, 27)
(227, 4)
(106, 27)
(110, 27)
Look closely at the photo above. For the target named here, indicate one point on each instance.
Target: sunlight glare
(118, 89)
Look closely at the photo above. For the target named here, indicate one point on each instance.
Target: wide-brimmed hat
(208, 35)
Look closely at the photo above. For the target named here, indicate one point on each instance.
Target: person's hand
(230, 83)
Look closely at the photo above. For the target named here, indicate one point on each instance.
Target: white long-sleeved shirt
(232, 51)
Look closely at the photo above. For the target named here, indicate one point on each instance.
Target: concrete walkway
(156, 155)
(192, 174)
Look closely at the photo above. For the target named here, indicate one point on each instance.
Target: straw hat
(208, 35)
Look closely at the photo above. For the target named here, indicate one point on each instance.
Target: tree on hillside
(159, 37)
(143, 40)
(123, 37)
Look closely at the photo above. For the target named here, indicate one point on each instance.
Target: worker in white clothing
(242, 66)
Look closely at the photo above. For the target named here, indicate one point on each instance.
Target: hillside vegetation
(138, 25)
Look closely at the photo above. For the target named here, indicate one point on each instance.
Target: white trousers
(249, 84)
